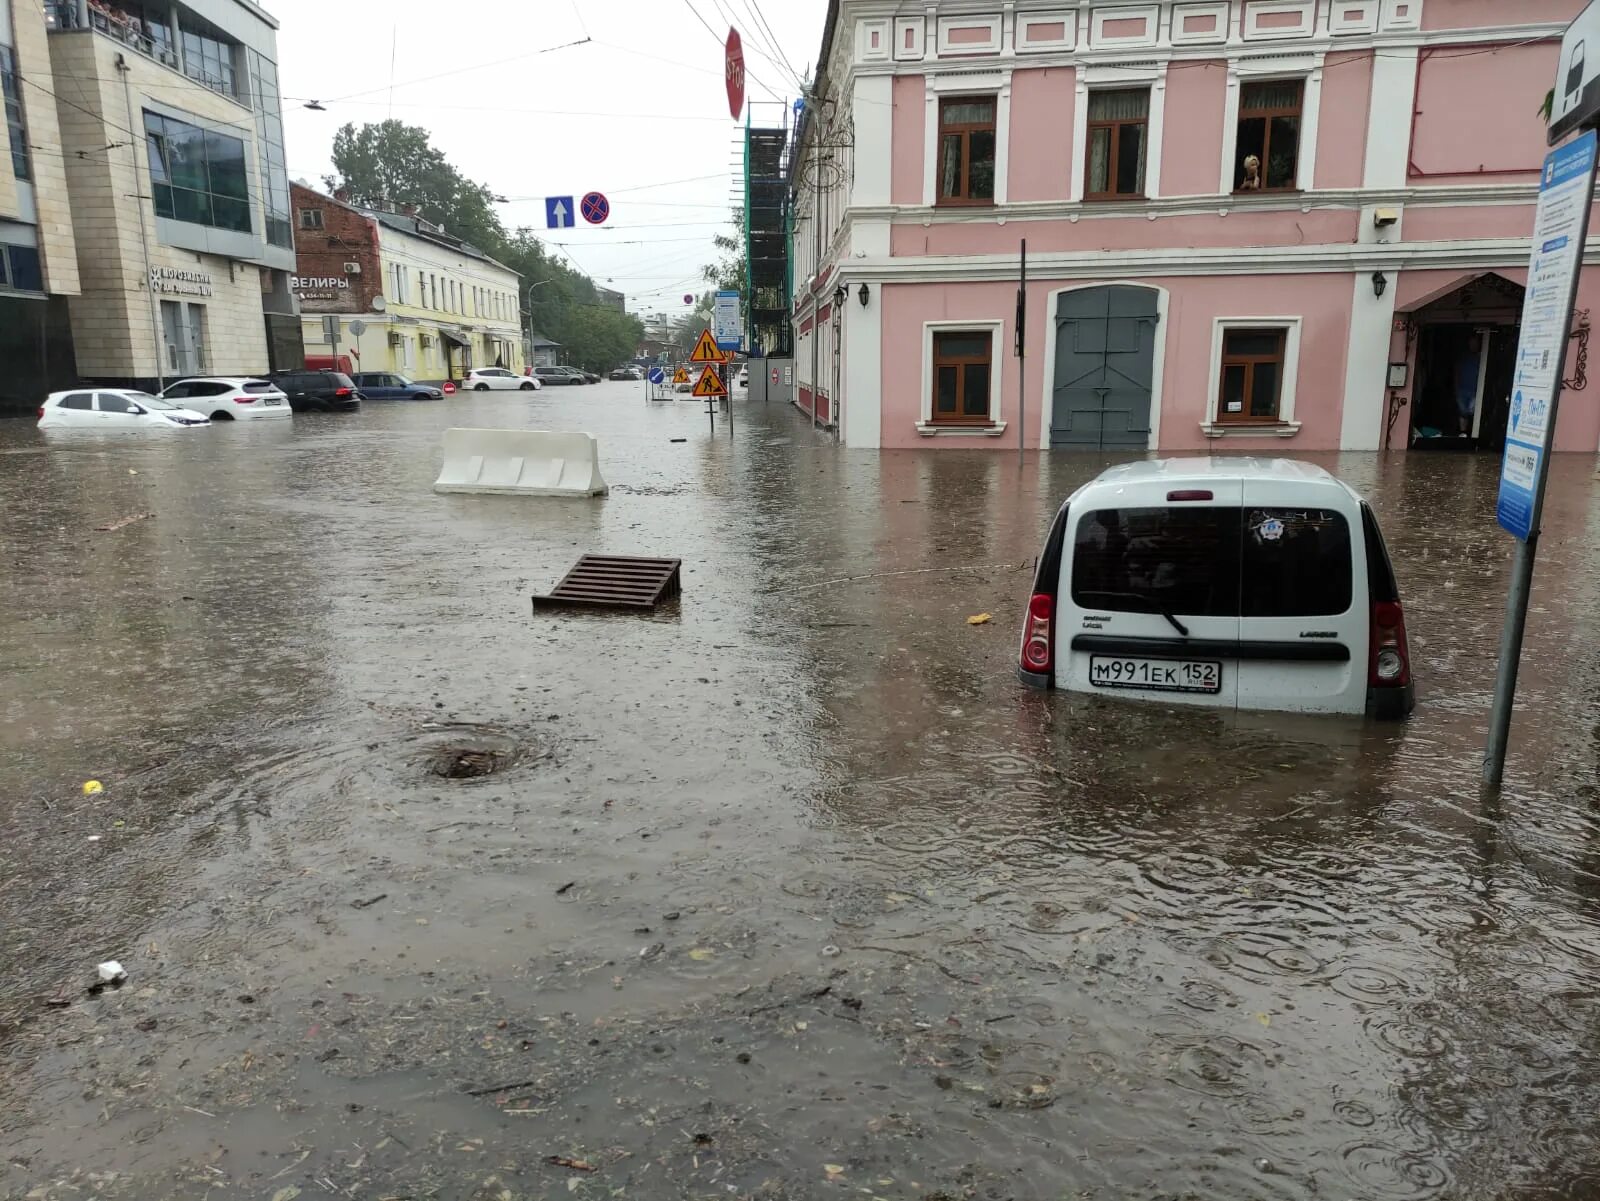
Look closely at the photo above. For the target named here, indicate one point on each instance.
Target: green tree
(597, 337)
(731, 272)
(395, 161)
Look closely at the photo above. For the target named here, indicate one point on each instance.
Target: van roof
(1243, 467)
(1202, 469)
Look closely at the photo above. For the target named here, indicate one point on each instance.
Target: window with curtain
(1252, 375)
(197, 175)
(1119, 124)
(961, 366)
(1268, 155)
(11, 96)
(966, 150)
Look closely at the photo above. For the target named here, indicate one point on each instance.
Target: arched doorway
(1104, 368)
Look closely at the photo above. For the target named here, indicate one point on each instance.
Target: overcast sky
(638, 112)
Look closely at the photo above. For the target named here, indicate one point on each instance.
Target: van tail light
(341, 393)
(1038, 655)
(41, 412)
(1190, 494)
(1390, 655)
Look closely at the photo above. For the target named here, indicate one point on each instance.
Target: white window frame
(1112, 79)
(1286, 426)
(1305, 67)
(996, 330)
(405, 355)
(980, 83)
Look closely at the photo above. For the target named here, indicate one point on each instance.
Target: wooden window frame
(1298, 112)
(962, 364)
(1249, 363)
(966, 129)
(316, 219)
(1116, 148)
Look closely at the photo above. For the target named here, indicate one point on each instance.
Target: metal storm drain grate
(614, 582)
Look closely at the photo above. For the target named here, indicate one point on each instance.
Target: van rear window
(1213, 562)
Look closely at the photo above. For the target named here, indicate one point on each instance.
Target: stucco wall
(1184, 340)
(1191, 149)
(1041, 134)
(1342, 121)
(905, 173)
(1478, 114)
(1471, 14)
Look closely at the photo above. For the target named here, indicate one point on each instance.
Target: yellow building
(431, 306)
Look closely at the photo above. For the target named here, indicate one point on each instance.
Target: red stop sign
(733, 60)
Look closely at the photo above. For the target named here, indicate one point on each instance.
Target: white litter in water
(111, 971)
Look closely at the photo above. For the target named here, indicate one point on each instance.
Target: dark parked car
(557, 377)
(319, 391)
(385, 385)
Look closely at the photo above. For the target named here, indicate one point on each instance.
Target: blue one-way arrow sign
(559, 212)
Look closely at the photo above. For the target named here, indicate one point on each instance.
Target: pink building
(1274, 225)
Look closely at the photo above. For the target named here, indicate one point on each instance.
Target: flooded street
(788, 890)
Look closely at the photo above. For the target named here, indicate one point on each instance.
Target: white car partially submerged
(1231, 582)
(230, 398)
(498, 379)
(114, 409)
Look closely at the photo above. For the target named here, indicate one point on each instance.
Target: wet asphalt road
(788, 891)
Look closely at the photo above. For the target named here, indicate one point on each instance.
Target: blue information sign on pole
(657, 376)
(559, 212)
(1560, 229)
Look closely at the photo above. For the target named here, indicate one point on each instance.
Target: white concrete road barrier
(521, 463)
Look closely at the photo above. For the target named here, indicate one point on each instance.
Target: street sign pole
(1560, 232)
(1022, 355)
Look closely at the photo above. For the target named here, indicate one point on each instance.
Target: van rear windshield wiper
(1143, 599)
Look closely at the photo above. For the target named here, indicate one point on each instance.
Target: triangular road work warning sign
(680, 376)
(709, 385)
(705, 350)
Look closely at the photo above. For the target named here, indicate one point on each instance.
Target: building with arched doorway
(1267, 225)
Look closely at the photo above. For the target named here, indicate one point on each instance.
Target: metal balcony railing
(108, 19)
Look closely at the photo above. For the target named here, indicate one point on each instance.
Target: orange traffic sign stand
(680, 376)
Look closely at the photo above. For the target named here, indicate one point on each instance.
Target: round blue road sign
(657, 375)
(595, 208)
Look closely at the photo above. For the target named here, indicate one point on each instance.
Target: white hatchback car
(498, 379)
(1232, 582)
(114, 409)
(231, 398)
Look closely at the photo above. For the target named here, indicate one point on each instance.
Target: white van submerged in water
(1240, 583)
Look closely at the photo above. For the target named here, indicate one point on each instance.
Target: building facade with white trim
(430, 305)
(1270, 225)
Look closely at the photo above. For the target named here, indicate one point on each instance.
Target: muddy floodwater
(787, 890)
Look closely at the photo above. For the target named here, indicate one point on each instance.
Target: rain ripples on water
(791, 889)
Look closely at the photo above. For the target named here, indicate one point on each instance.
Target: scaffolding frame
(768, 230)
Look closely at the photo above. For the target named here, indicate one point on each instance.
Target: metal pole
(1505, 684)
(1022, 355)
(816, 263)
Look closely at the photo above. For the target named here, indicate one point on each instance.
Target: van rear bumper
(1035, 679)
(1391, 704)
